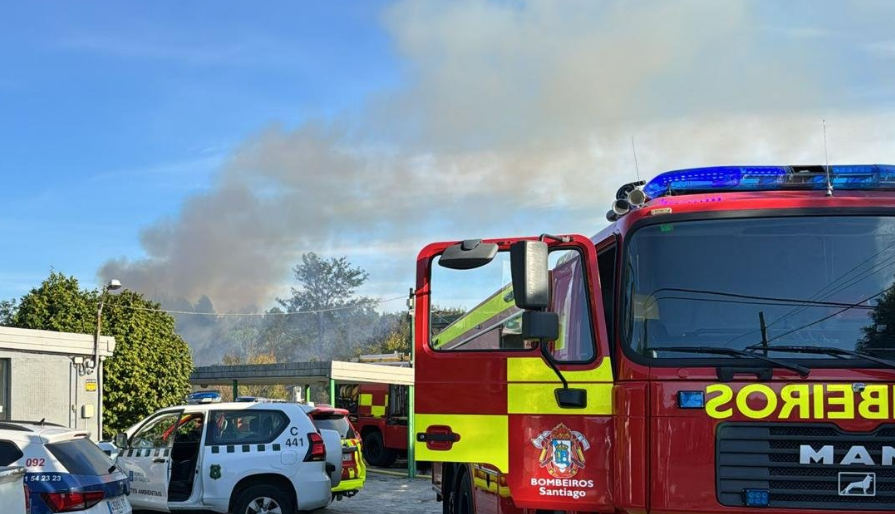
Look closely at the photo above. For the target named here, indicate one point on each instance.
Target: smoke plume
(516, 118)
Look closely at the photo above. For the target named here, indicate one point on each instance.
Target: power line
(774, 300)
(825, 292)
(781, 303)
(261, 314)
(820, 320)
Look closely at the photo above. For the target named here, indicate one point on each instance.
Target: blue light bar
(764, 178)
(757, 497)
(690, 399)
(204, 397)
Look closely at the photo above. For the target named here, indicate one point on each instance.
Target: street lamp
(113, 285)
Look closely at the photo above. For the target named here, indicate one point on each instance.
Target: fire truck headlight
(757, 497)
(691, 399)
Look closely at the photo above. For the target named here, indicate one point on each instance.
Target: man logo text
(856, 455)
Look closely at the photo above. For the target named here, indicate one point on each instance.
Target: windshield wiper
(826, 350)
(803, 371)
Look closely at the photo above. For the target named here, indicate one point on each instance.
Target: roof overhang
(45, 341)
(315, 372)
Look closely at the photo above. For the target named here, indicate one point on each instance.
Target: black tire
(461, 497)
(375, 452)
(271, 498)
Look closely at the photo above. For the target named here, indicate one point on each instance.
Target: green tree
(395, 334)
(8, 310)
(395, 337)
(58, 304)
(880, 334)
(151, 365)
(275, 391)
(325, 284)
(337, 320)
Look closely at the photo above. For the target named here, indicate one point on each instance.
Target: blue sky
(115, 112)
(203, 146)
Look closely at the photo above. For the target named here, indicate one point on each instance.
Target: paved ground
(389, 494)
(386, 494)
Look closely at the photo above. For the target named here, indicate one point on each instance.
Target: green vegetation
(151, 365)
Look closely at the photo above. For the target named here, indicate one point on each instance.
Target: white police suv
(244, 458)
(65, 470)
(12, 489)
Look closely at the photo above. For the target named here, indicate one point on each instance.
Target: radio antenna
(827, 160)
(636, 166)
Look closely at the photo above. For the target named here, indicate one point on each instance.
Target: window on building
(5, 369)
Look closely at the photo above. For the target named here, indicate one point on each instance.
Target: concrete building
(44, 375)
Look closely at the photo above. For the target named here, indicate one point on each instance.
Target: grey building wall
(47, 386)
(44, 378)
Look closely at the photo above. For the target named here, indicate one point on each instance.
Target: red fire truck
(726, 344)
(379, 414)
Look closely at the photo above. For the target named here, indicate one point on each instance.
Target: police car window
(475, 309)
(81, 457)
(157, 433)
(9, 453)
(337, 423)
(246, 426)
(190, 428)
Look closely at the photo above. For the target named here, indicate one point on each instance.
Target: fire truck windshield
(824, 281)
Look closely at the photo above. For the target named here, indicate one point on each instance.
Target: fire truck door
(486, 394)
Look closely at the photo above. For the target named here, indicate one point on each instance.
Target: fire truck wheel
(375, 451)
(461, 498)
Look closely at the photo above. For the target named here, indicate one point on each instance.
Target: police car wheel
(263, 499)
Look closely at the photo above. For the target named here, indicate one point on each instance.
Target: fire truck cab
(726, 344)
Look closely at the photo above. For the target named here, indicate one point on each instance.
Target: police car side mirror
(121, 440)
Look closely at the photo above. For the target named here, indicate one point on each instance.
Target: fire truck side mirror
(540, 325)
(469, 254)
(531, 274)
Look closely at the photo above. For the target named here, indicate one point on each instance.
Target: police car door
(147, 461)
(485, 392)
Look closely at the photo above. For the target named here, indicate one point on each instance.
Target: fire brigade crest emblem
(562, 451)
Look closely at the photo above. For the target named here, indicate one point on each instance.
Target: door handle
(438, 437)
(160, 460)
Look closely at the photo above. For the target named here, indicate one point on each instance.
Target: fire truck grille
(766, 456)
